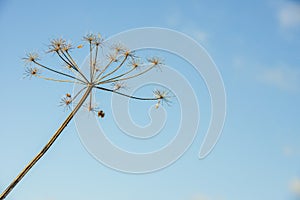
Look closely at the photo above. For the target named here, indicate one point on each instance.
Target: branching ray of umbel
(114, 73)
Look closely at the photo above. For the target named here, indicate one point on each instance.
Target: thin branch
(57, 80)
(117, 68)
(105, 68)
(95, 62)
(126, 78)
(74, 64)
(91, 62)
(126, 95)
(76, 95)
(114, 78)
(67, 62)
(61, 73)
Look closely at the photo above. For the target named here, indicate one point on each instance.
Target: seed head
(118, 85)
(31, 57)
(156, 61)
(112, 57)
(67, 47)
(66, 102)
(31, 71)
(162, 97)
(119, 48)
(57, 45)
(89, 37)
(98, 40)
(135, 63)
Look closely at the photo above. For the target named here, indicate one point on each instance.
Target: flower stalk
(47, 146)
(98, 79)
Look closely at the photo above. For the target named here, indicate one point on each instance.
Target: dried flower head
(98, 40)
(119, 48)
(67, 46)
(56, 45)
(31, 57)
(162, 97)
(119, 85)
(135, 63)
(129, 53)
(66, 102)
(89, 38)
(31, 71)
(112, 57)
(156, 61)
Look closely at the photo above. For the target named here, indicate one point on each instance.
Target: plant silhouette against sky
(120, 64)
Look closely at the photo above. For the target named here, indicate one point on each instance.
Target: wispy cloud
(295, 186)
(284, 78)
(197, 34)
(175, 19)
(288, 151)
(289, 15)
(291, 151)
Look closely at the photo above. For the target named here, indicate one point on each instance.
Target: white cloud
(175, 19)
(291, 151)
(197, 34)
(289, 15)
(284, 78)
(295, 186)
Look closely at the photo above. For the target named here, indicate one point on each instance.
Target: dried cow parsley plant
(107, 75)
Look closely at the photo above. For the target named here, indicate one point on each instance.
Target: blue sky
(256, 46)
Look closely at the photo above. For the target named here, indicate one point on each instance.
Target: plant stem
(47, 146)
